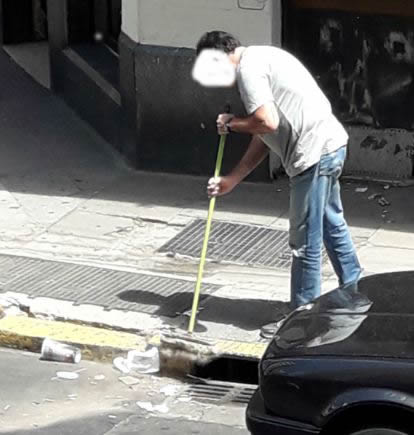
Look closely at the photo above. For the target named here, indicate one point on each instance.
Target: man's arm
(254, 155)
(264, 120)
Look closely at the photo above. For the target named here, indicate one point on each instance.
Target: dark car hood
(373, 319)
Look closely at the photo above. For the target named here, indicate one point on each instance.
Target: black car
(343, 365)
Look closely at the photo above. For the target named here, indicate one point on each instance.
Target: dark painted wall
(364, 62)
(163, 120)
(23, 21)
(130, 118)
(177, 117)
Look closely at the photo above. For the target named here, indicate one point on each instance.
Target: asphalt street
(35, 400)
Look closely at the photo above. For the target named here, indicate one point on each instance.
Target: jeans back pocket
(332, 164)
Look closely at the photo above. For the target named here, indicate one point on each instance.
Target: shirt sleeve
(254, 87)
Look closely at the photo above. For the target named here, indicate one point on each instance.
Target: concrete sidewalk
(66, 196)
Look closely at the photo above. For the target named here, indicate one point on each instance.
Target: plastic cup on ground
(60, 352)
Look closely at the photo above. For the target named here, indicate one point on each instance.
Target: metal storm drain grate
(220, 393)
(111, 289)
(234, 243)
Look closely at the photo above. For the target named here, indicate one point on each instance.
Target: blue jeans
(316, 216)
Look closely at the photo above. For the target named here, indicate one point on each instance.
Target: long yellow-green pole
(206, 237)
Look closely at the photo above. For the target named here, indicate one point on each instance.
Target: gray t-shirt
(308, 129)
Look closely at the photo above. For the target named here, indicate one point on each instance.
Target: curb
(103, 345)
(96, 344)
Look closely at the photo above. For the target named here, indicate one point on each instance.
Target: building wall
(175, 116)
(362, 55)
(176, 25)
(161, 120)
(179, 23)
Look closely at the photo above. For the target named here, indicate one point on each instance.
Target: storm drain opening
(224, 380)
(219, 393)
(233, 243)
(229, 369)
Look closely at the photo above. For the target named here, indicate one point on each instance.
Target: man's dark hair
(219, 40)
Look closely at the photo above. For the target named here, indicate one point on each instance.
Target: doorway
(25, 36)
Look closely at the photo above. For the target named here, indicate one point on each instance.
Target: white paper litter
(144, 362)
(163, 409)
(361, 189)
(184, 399)
(170, 390)
(121, 364)
(148, 406)
(99, 377)
(129, 380)
(70, 376)
(141, 362)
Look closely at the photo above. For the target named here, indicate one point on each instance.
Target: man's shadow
(247, 314)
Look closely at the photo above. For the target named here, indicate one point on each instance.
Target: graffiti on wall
(365, 64)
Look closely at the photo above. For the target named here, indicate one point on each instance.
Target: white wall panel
(180, 23)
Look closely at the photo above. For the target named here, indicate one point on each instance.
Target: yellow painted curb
(99, 344)
(95, 343)
(241, 349)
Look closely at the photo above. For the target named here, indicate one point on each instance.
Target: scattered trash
(129, 380)
(184, 399)
(60, 352)
(48, 400)
(170, 390)
(72, 396)
(163, 409)
(141, 362)
(145, 362)
(99, 377)
(121, 364)
(383, 202)
(112, 416)
(70, 376)
(148, 406)
(387, 187)
(374, 196)
(361, 189)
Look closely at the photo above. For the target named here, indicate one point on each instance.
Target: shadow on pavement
(247, 314)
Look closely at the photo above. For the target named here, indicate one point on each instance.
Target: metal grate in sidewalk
(234, 243)
(111, 289)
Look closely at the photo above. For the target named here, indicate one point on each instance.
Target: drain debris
(219, 393)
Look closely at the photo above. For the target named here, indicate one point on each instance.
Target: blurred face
(214, 68)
